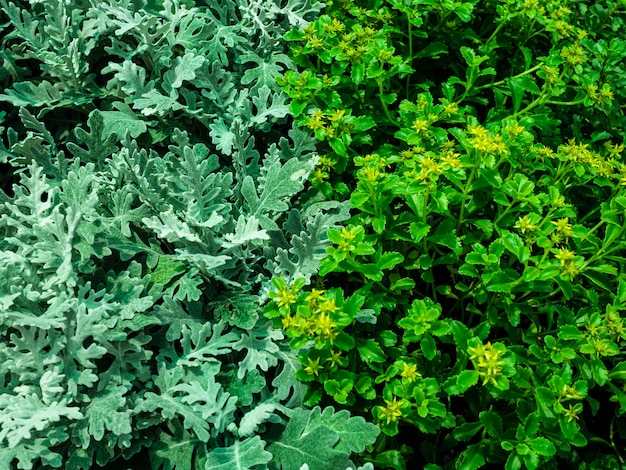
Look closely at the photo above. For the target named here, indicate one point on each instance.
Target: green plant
(480, 145)
(157, 188)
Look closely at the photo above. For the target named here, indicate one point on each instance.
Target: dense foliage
(186, 283)
(153, 187)
(473, 305)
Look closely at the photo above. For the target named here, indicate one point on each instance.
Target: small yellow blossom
(392, 411)
(325, 325)
(451, 108)
(409, 372)
(314, 367)
(570, 270)
(563, 227)
(487, 361)
(334, 358)
(334, 27)
(285, 297)
(420, 125)
(524, 223)
(328, 306)
(478, 131)
(315, 296)
(572, 411)
(314, 124)
(565, 256)
(371, 174)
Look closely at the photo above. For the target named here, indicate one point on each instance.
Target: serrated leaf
(354, 432)
(242, 455)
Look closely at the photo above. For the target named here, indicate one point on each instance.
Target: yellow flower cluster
(580, 153)
(331, 124)
(374, 167)
(484, 142)
(316, 319)
(573, 54)
(322, 170)
(391, 412)
(409, 372)
(488, 361)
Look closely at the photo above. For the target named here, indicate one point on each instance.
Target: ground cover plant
(153, 185)
(472, 307)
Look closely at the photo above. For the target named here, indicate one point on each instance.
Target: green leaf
(618, 372)
(419, 230)
(389, 260)
(492, 422)
(404, 283)
(432, 49)
(466, 431)
(542, 446)
(370, 351)
(460, 383)
(531, 425)
(502, 281)
(428, 346)
(119, 122)
(172, 452)
(370, 271)
(471, 458)
(513, 462)
(244, 455)
(353, 431)
(358, 72)
(313, 444)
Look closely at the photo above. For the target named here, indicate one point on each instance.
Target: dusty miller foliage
(158, 186)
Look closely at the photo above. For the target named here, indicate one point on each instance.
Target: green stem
(465, 192)
(495, 32)
(503, 214)
(408, 77)
(382, 102)
(502, 82)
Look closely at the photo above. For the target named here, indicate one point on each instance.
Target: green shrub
(481, 147)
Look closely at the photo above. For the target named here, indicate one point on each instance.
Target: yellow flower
(524, 223)
(478, 131)
(572, 411)
(391, 412)
(451, 108)
(565, 256)
(452, 159)
(335, 358)
(409, 372)
(487, 361)
(563, 227)
(287, 321)
(334, 26)
(285, 297)
(318, 114)
(337, 115)
(328, 306)
(420, 125)
(319, 175)
(570, 270)
(315, 296)
(606, 92)
(314, 367)
(325, 325)
(371, 174)
(314, 124)
(574, 54)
